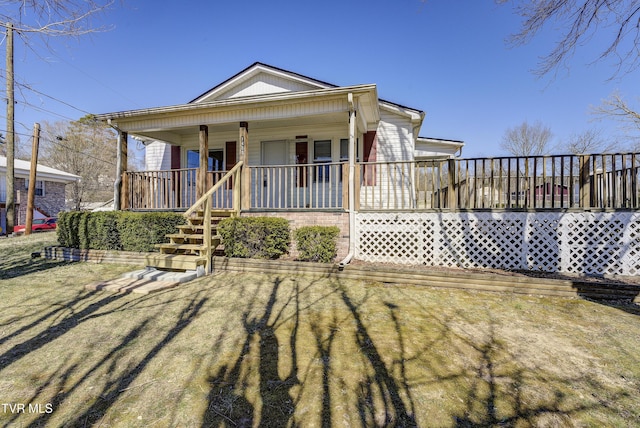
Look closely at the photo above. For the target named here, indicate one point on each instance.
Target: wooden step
(215, 213)
(173, 247)
(175, 261)
(190, 237)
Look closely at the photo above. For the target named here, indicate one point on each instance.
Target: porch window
(344, 150)
(322, 154)
(39, 191)
(216, 159)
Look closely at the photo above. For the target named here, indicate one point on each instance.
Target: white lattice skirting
(584, 243)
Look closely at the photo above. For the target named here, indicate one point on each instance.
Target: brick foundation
(313, 218)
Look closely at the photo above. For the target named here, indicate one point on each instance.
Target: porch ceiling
(172, 123)
(176, 135)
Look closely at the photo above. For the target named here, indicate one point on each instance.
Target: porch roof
(326, 105)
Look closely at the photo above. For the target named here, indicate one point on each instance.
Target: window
(322, 154)
(39, 187)
(216, 159)
(344, 150)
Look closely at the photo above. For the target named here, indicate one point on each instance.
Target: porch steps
(175, 261)
(186, 249)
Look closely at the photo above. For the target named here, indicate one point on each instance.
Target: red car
(38, 225)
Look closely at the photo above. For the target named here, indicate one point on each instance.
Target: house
(49, 194)
(299, 140)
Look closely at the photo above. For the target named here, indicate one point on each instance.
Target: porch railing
(317, 186)
(601, 181)
(173, 189)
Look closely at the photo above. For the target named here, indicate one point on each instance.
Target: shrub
(317, 243)
(255, 237)
(115, 230)
(141, 231)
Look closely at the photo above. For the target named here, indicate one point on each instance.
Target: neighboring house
(49, 194)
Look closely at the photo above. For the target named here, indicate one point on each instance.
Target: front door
(273, 192)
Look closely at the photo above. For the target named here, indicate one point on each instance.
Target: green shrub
(102, 231)
(255, 237)
(141, 231)
(317, 243)
(116, 230)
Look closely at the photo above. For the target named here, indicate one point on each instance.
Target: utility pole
(31, 193)
(10, 202)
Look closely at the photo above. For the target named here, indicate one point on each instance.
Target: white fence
(606, 243)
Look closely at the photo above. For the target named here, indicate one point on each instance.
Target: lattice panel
(585, 243)
(542, 238)
(479, 240)
(600, 243)
(389, 238)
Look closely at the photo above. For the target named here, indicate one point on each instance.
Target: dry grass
(257, 350)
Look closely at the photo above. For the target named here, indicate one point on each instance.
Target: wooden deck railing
(601, 181)
(317, 186)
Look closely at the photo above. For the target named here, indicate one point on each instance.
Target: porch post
(585, 181)
(203, 138)
(245, 174)
(120, 188)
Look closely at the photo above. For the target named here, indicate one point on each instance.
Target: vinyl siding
(395, 138)
(262, 84)
(157, 156)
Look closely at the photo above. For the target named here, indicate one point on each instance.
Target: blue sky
(446, 57)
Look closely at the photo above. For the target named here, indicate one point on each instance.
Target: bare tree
(86, 148)
(587, 142)
(46, 19)
(52, 18)
(618, 108)
(527, 140)
(616, 21)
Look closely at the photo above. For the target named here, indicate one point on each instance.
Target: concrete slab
(131, 285)
(152, 274)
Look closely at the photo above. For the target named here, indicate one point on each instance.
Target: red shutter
(370, 155)
(302, 157)
(230, 148)
(231, 158)
(175, 157)
(175, 164)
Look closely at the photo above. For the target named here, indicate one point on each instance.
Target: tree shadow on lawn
(318, 352)
(296, 366)
(114, 388)
(26, 265)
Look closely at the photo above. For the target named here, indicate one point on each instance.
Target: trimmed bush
(116, 230)
(255, 237)
(317, 243)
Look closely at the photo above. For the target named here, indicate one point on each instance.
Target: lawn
(258, 350)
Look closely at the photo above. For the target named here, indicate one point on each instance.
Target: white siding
(395, 138)
(262, 84)
(157, 156)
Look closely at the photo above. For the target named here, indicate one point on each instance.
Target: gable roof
(222, 90)
(23, 167)
(255, 69)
